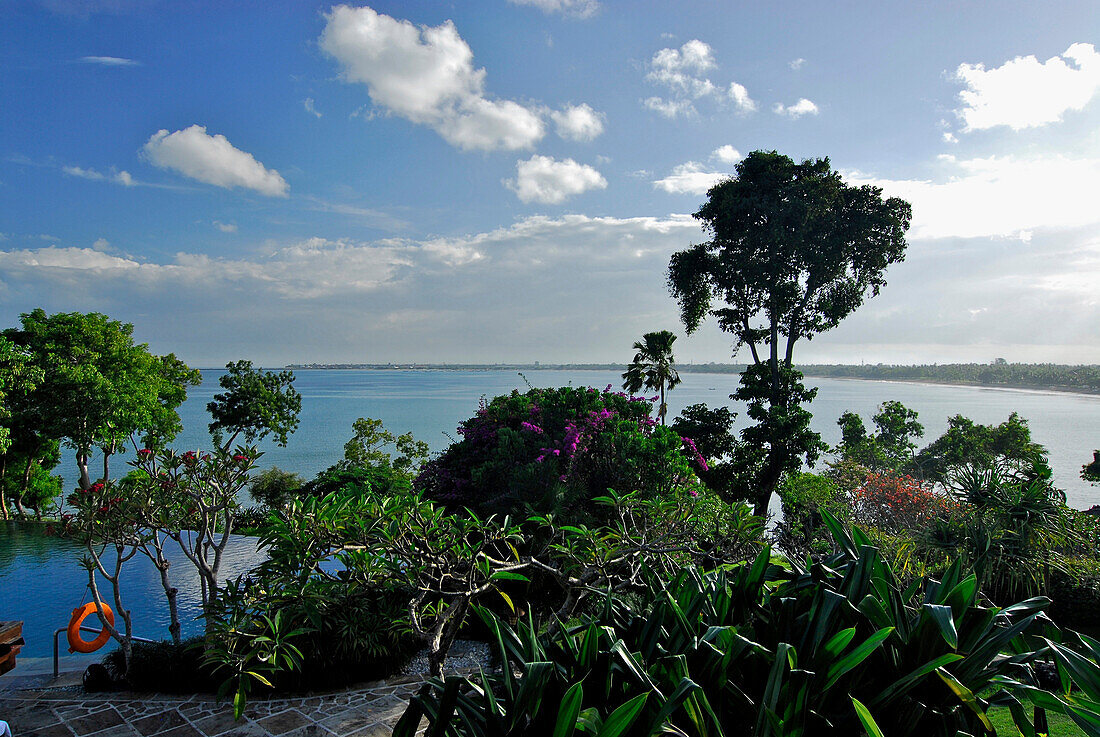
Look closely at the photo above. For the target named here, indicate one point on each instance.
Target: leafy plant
(555, 450)
(833, 648)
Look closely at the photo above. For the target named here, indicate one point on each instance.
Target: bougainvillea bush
(554, 450)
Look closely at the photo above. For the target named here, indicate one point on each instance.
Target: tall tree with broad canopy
(793, 251)
(654, 367)
(98, 388)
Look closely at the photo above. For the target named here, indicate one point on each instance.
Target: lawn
(1060, 726)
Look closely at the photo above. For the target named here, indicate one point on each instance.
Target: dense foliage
(555, 450)
(841, 647)
(999, 373)
(793, 251)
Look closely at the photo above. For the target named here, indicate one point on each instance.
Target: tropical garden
(618, 562)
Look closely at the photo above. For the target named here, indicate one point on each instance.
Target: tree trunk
(173, 611)
(767, 481)
(82, 466)
(441, 643)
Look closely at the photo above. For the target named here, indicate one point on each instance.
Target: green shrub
(274, 488)
(840, 648)
(555, 450)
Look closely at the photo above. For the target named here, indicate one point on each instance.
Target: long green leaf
(966, 697)
(620, 720)
(856, 656)
(944, 618)
(866, 719)
(568, 711)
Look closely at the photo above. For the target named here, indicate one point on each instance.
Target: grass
(1060, 726)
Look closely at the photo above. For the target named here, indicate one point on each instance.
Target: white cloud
(426, 75)
(740, 97)
(949, 137)
(577, 8)
(225, 227)
(726, 154)
(796, 64)
(690, 177)
(549, 181)
(669, 108)
(310, 107)
(797, 110)
(118, 177)
(682, 72)
(1004, 196)
(101, 244)
(109, 61)
(213, 159)
(578, 122)
(1027, 93)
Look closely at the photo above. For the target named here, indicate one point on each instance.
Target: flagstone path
(369, 710)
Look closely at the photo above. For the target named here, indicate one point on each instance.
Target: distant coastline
(1083, 379)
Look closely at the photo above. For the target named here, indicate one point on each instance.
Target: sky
(505, 180)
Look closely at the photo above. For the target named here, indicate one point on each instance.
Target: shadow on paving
(369, 710)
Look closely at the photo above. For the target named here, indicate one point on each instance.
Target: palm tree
(654, 366)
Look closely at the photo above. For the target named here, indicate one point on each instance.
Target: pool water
(42, 581)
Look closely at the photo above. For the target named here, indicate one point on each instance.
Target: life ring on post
(77, 644)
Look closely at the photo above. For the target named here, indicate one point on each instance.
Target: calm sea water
(41, 580)
(431, 404)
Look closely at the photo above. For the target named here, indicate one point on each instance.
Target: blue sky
(505, 180)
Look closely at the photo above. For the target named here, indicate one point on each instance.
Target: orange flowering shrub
(893, 503)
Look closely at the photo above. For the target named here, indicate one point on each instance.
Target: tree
(274, 488)
(1005, 451)
(891, 447)
(654, 367)
(365, 449)
(712, 432)
(99, 389)
(794, 250)
(255, 404)
(1091, 472)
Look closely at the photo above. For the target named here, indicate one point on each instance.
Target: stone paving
(369, 710)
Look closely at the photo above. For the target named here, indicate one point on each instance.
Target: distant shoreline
(1083, 380)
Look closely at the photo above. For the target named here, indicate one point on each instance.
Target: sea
(41, 579)
(431, 403)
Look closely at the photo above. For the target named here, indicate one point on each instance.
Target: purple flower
(531, 428)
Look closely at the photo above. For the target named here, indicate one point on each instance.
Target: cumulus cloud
(310, 107)
(546, 180)
(796, 64)
(1027, 93)
(115, 176)
(999, 196)
(797, 110)
(225, 227)
(740, 97)
(691, 177)
(427, 76)
(213, 159)
(682, 72)
(726, 154)
(109, 61)
(576, 8)
(578, 122)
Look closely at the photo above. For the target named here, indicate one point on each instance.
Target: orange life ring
(77, 644)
